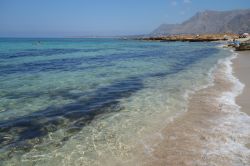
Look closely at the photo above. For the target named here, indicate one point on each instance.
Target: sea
(94, 101)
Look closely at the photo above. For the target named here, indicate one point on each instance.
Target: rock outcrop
(193, 38)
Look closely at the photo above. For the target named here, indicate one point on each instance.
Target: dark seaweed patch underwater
(65, 84)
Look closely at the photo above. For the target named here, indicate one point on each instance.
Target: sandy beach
(213, 131)
(125, 83)
(242, 69)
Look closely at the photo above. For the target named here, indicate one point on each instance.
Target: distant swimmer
(37, 43)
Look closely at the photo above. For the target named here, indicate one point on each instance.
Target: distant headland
(208, 26)
(209, 22)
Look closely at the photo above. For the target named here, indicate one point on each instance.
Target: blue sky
(63, 18)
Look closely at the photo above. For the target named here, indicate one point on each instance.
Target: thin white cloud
(174, 3)
(187, 1)
(182, 12)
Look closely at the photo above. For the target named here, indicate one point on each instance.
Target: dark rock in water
(243, 47)
(235, 21)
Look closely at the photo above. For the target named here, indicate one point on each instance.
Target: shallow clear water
(89, 101)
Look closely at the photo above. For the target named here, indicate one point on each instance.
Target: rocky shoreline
(192, 38)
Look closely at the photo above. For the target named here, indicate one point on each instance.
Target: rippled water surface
(89, 101)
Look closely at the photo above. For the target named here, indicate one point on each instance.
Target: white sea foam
(229, 97)
(233, 129)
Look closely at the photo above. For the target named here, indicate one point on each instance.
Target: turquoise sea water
(90, 101)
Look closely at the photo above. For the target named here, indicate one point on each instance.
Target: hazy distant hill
(236, 21)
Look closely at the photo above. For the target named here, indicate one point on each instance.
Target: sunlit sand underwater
(94, 101)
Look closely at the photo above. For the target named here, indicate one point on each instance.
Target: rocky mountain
(235, 21)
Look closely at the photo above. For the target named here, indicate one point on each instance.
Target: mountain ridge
(209, 21)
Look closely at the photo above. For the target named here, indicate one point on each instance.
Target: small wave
(233, 129)
(237, 89)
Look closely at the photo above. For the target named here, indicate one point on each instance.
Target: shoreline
(192, 37)
(213, 131)
(242, 68)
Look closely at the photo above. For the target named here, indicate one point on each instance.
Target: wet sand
(242, 71)
(212, 132)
